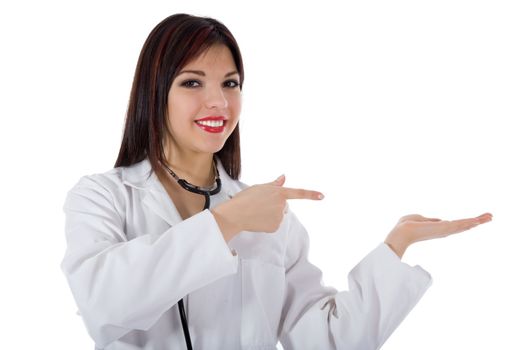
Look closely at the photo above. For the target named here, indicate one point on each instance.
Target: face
(204, 103)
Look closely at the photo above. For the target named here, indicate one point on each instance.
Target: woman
(150, 268)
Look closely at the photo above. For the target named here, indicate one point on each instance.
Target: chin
(212, 149)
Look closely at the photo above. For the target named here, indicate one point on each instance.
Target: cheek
(235, 106)
(181, 110)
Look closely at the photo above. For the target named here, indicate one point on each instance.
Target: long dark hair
(172, 44)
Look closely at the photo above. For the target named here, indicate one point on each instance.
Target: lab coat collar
(141, 176)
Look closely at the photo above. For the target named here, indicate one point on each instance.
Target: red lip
(212, 129)
(220, 117)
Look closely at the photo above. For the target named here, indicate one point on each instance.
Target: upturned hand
(415, 228)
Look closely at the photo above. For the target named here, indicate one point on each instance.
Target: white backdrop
(387, 107)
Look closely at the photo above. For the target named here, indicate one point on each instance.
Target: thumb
(279, 181)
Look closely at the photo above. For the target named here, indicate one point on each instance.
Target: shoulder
(107, 188)
(136, 175)
(95, 194)
(109, 181)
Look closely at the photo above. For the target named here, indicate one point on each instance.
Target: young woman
(169, 250)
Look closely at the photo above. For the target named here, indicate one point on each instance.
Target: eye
(231, 84)
(190, 83)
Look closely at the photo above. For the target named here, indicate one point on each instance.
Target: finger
(422, 218)
(456, 226)
(484, 218)
(409, 217)
(477, 220)
(299, 193)
(417, 217)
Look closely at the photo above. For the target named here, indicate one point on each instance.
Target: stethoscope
(206, 192)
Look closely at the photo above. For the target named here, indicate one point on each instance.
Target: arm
(381, 292)
(120, 285)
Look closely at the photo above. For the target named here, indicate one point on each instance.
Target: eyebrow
(199, 72)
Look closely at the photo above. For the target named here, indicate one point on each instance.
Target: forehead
(216, 56)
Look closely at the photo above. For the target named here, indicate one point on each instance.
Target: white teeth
(213, 123)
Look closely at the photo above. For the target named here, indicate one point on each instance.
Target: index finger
(300, 193)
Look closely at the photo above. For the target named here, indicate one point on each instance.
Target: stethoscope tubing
(206, 195)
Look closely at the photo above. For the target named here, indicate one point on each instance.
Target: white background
(387, 107)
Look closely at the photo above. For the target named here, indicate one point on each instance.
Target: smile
(212, 123)
(213, 126)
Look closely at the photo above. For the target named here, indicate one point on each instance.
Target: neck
(197, 169)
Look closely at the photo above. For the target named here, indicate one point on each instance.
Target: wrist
(397, 242)
(229, 228)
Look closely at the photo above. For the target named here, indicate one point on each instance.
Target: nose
(215, 98)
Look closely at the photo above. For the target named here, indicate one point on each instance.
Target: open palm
(414, 228)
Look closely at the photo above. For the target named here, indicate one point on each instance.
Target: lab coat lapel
(142, 177)
(161, 204)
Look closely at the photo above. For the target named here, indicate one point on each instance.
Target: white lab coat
(130, 257)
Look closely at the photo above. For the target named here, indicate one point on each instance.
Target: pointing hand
(259, 208)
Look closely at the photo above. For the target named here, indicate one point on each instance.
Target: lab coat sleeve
(381, 292)
(122, 285)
